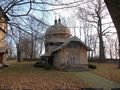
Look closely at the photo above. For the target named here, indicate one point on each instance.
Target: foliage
(42, 64)
(47, 67)
(39, 64)
(91, 66)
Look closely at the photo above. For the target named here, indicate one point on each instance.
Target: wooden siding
(3, 26)
(3, 57)
(56, 59)
(71, 56)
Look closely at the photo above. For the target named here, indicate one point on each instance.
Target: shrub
(39, 64)
(5, 65)
(47, 67)
(92, 66)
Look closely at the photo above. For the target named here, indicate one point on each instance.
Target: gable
(78, 43)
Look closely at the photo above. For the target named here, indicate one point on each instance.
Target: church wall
(83, 54)
(56, 59)
(67, 56)
(3, 26)
(3, 57)
(76, 56)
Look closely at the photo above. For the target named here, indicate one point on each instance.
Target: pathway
(97, 81)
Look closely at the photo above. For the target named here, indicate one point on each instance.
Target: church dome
(57, 28)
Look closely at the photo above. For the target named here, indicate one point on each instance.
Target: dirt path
(97, 81)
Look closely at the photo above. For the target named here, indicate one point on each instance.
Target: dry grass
(109, 71)
(24, 76)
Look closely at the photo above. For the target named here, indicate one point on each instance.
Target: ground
(23, 75)
(109, 71)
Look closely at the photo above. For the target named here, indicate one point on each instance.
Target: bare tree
(11, 50)
(25, 47)
(96, 13)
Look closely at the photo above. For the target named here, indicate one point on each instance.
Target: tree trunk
(101, 48)
(119, 48)
(10, 54)
(111, 53)
(32, 47)
(101, 43)
(41, 49)
(113, 7)
(18, 53)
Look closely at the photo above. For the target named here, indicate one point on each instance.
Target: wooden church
(61, 48)
(3, 30)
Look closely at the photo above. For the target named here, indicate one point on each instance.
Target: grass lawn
(109, 71)
(23, 75)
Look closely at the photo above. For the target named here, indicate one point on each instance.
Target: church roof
(58, 28)
(72, 39)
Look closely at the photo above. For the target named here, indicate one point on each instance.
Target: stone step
(76, 68)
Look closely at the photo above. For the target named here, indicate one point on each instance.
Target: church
(61, 48)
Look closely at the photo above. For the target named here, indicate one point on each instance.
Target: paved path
(97, 81)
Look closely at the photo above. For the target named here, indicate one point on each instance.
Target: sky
(68, 15)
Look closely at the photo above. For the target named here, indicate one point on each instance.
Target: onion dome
(57, 28)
